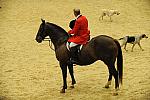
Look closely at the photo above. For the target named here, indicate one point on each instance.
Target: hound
(133, 40)
(109, 13)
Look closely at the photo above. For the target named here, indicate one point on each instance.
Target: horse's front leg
(64, 73)
(70, 67)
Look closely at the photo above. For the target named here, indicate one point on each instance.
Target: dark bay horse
(101, 47)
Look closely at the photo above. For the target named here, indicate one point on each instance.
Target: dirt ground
(30, 71)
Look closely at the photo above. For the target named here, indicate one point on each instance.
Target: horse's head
(41, 32)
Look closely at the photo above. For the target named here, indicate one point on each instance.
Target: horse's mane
(59, 31)
(58, 28)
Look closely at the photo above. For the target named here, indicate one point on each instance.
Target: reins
(50, 43)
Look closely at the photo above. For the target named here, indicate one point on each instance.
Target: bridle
(50, 43)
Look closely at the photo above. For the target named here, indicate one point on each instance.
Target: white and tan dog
(133, 40)
(109, 13)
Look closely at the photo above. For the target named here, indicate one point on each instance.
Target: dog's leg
(102, 17)
(132, 47)
(99, 18)
(123, 43)
(125, 46)
(140, 46)
(110, 18)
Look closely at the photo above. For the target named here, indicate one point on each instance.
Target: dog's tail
(120, 39)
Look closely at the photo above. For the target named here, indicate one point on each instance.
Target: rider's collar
(78, 16)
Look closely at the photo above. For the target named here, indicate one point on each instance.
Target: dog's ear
(43, 21)
(144, 36)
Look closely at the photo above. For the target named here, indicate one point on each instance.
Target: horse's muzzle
(39, 39)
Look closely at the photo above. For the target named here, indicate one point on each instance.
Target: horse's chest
(61, 54)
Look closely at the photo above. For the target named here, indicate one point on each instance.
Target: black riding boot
(73, 55)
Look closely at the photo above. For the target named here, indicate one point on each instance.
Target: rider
(80, 33)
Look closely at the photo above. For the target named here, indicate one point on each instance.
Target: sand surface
(30, 71)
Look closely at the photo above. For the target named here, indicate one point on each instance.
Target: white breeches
(72, 44)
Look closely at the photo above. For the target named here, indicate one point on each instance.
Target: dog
(133, 40)
(109, 13)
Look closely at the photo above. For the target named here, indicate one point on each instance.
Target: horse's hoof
(107, 86)
(72, 86)
(115, 93)
(62, 91)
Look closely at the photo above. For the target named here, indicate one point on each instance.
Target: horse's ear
(43, 21)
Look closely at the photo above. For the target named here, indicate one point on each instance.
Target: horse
(102, 47)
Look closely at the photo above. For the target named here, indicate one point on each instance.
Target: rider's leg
(73, 52)
(72, 44)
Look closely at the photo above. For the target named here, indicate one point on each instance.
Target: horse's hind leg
(70, 67)
(113, 72)
(109, 81)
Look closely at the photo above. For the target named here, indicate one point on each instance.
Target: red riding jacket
(80, 31)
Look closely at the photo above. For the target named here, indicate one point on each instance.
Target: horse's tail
(119, 62)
